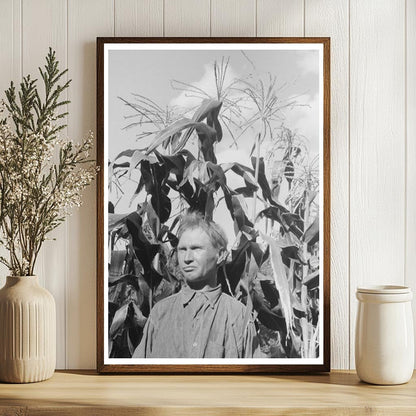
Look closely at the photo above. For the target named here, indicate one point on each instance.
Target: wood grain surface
(138, 18)
(186, 18)
(340, 393)
(331, 18)
(410, 265)
(233, 18)
(10, 64)
(85, 18)
(280, 18)
(377, 148)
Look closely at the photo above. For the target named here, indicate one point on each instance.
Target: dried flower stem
(36, 194)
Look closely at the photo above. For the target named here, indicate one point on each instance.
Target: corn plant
(275, 273)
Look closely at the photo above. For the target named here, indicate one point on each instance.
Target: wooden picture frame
(246, 130)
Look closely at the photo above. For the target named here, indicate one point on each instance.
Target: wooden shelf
(86, 393)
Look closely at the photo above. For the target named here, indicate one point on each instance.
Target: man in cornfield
(199, 321)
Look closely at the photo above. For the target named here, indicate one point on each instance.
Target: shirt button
(194, 344)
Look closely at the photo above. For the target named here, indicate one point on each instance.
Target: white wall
(373, 132)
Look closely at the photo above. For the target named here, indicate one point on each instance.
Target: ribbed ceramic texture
(27, 331)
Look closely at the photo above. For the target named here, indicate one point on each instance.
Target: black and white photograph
(213, 248)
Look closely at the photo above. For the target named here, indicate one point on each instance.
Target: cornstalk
(291, 274)
(256, 175)
(312, 346)
(268, 224)
(307, 209)
(304, 290)
(304, 322)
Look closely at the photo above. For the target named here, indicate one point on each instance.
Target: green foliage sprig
(41, 175)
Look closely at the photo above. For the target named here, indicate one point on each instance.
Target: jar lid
(384, 289)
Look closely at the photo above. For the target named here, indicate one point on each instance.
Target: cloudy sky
(150, 73)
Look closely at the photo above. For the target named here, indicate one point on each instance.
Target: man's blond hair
(193, 219)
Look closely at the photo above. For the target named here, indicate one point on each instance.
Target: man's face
(197, 258)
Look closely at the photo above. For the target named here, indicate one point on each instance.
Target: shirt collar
(212, 295)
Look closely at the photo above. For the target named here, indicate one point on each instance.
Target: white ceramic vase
(27, 331)
(384, 340)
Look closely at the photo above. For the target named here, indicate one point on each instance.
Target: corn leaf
(205, 134)
(117, 326)
(263, 182)
(209, 109)
(312, 233)
(280, 280)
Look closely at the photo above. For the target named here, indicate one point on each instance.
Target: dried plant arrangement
(42, 175)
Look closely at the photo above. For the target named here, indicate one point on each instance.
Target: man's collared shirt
(198, 324)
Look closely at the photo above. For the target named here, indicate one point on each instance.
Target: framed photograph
(213, 205)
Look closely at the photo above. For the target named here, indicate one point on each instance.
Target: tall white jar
(384, 338)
